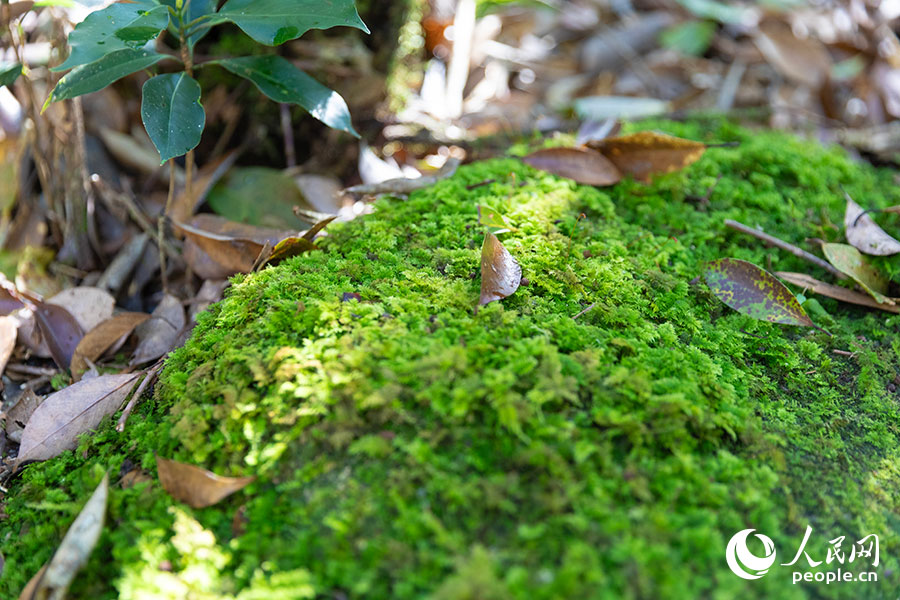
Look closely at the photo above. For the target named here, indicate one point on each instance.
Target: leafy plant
(118, 41)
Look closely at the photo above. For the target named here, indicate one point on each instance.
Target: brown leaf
(76, 546)
(500, 272)
(19, 414)
(234, 246)
(157, 336)
(56, 424)
(8, 304)
(834, 291)
(99, 339)
(864, 234)
(89, 305)
(647, 153)
(8, 331)
(803, 60)
(580, 164)
(60, 331)
(194, 486)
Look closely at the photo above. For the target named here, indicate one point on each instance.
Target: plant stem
(161, 227)
(187, 57)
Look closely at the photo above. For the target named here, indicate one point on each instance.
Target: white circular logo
(740, 558)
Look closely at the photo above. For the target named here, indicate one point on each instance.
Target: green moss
(407, 446)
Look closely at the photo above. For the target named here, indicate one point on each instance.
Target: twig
(589, 307)
(774, 241)
(151, 374)
(844, 353)
(161, 226)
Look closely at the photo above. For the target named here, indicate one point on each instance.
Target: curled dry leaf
(102, 337)
(8, 330)
(31, 586)
(580, 164)
(647, 153)
(755, 292)
(837, 292)
(500, 272)
(849, 261)
(235, 247)
(89, 305)
(157, 336)
(60, 330)
(295, 246)
(864, 234)
(76, 546)
(55, 425)
(194, 486)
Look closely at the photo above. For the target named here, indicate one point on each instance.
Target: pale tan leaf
(56, 424)
(864, 233)
(9, 327)
(99, 339)
(89, 305)
(580, 164)
(500, 272)
(194, 486)
(76, 546)
(803, 60)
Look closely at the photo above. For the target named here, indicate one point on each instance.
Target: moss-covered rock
(408, 447)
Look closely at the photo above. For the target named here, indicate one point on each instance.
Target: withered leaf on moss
(849, 261)
(837, 292)
(60, 330)
(755, 292)
(76, 547)
(500, 272)
(580, 164)
(864, 234)
(647, 153)
(196, 487)
(55, 425)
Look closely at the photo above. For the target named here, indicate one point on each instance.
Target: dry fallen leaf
(194, 486)
(754, 292)
(31, 586)
(580, 164)
(89, 305)
(75, 548)
(102, 337)
(19, 414)
(864, 234)
(235, 247)
(56, 424)
(647, 153)
(804, 60)
(500, 272)
(157, 336)
(60, 330)
(837, 292)
(849, 261)
(8, 331)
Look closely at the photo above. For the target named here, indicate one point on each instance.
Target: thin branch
(151, 375)
(774, 241)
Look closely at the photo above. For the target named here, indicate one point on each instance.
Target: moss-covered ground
(408, 447)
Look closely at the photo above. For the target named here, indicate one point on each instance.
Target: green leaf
(273, 22)
(755, 292)
(692, 38)
(172, 114)
(489, 217)
(99, 74)
(197, 9)
(274, 195)
(283, 82)
(117, 27)
(9, 72)
(850, 261)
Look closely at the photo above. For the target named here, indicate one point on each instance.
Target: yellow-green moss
(407, 447)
